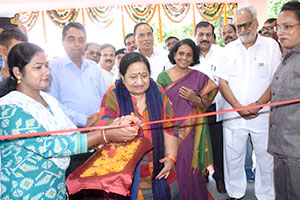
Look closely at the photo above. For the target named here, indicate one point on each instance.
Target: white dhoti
(235, 143)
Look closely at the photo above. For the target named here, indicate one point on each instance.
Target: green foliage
(181, 32)
(274, 7)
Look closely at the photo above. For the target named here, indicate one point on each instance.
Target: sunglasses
(246, 25)
(267, 28)
(94, 53)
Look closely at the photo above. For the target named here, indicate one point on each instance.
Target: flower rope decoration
(30, 19)
(63, 16)
(176, 10)
(101, 16)
(210, 11)
(112, 160)
(141, 13)
(232, 7)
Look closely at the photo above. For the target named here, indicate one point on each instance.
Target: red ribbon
(16, 136)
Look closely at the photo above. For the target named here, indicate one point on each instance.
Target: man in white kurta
(107, 61)
(158, 58)
(248, 66)
(209, 61)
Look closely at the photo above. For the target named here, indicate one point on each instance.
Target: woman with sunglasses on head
(191, 93)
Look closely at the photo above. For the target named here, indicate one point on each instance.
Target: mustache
(204, 41)
(108, 60)
(267, 34)
(228, 37)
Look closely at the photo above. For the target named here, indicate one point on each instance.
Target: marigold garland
(103, 16)
(62, 17)
(174, 11)
(213, 16)
(138, 15)
(106, 13)
(30, 19)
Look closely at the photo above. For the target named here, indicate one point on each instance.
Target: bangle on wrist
(197, 102)
(236, 105)
(104, 137)
(171, 157)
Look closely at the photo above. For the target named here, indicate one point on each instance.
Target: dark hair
(72, 25)
(127, 36)
(131, 58)
(139, 24)
(270, 20)
(5, 23)
(90, 44)
(121, 51)
(191, 43)
(204, 24)
(292, 6)
(104, 46)
(19, 56)
(12, 33)
(233, 27)
(171, 37)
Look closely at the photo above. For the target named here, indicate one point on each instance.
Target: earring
(19, 80)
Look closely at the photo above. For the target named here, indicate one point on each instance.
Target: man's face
(246, 27)
(93, 52)
(268, 30)
(118, 59)
(170, 43)
(204, 37)
(130, 44)
(74, 43)
(228, 34)
(107, 59)
(144, 37)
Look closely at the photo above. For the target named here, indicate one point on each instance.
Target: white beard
(247, 39)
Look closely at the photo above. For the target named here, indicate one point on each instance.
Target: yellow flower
(116, 162)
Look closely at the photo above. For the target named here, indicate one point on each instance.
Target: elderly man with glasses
(92, 51)
(248, 66)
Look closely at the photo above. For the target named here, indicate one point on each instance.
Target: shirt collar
(296, 48)
(154, 51)
(67, 61)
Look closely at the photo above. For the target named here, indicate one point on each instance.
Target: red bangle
(171, 157)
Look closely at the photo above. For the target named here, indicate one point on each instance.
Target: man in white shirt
(158, 58)
(209, 61)
(92, 51)
(228, 33)
(248, 66)
(130, 42)
(107, 61)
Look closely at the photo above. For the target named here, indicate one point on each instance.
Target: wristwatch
(258, 103)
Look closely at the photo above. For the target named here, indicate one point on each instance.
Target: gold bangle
(104, 136)
(171, 157)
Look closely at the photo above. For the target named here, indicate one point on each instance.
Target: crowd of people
(97, 85)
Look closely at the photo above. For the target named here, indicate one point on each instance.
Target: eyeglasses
(267, 28)
(94, 52)
(142, 35)
(245, 25)
(286, 27)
